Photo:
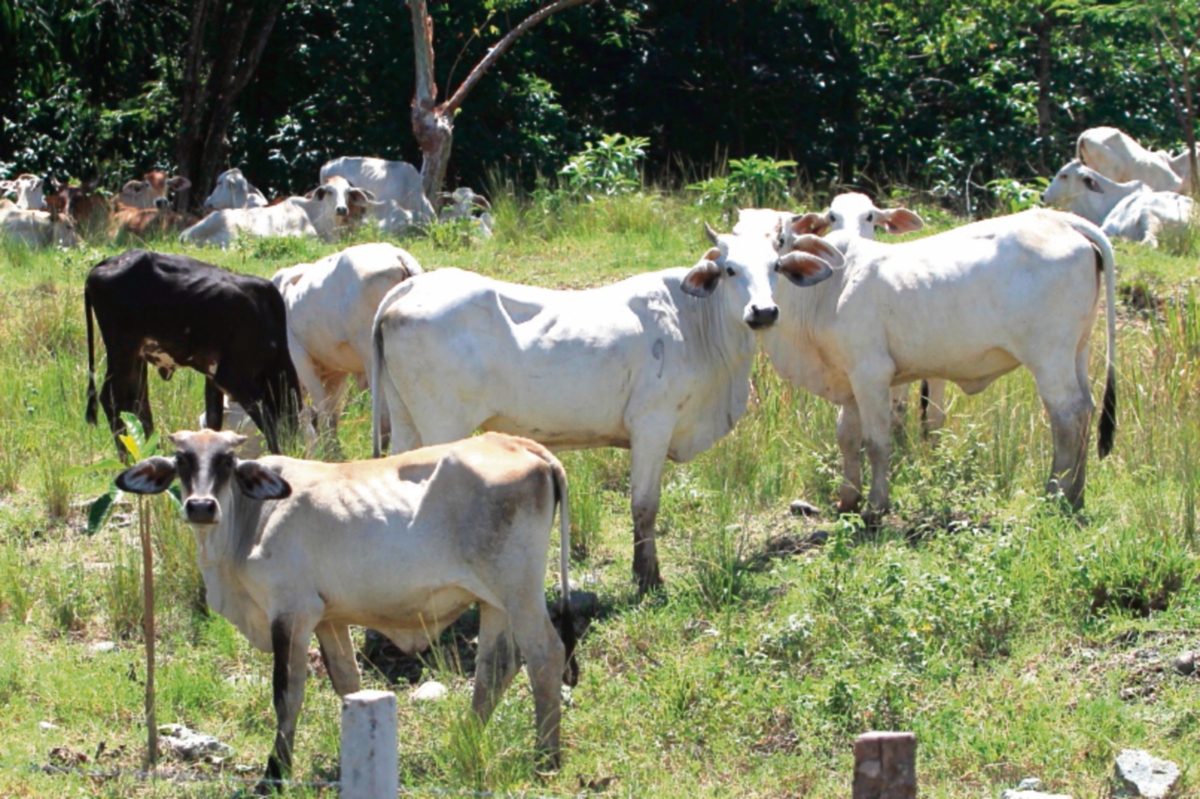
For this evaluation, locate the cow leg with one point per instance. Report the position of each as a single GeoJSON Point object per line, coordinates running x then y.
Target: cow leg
{"type": "Point", "coordinates": [544, 659]}
{"type": "Point", "coordinates": [214, 405]}
{"type": "Point", "coordinates": [849, 439]}
{"type": "Point", "coordinates": [335, 392]}
{"type": "Point", "coordinates": [290, 635]}
{"type": "Point", "coordinates": [933, 408]}
{"type": "Point", "coordinates": [497, 662]}
{"type": "Point", "coordinates": [402, 434]}
{"type": "Point", "coordinates": [649, 443]}
{"type": "Point", "coordinates": [118, 392]}
{"type": "Point", "coordinates": [309, 376]}
{"type": "Point", "coordinates": [337, 650]}
{"type": "Point", "coordinates": [870, 386]}
{"type": "Point", "coordinates": [1070, 411]}
{"type": "Point", "coordinates": [141, 402]}
{"type": "Point", "coordinates": [899, 398]}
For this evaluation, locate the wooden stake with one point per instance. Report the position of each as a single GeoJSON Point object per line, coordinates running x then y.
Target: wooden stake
{"type": "Point", "coordinates": [148, 628]}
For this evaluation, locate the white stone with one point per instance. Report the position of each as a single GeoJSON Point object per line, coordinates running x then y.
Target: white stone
{"type": "Point", "coordinates": [102, 647]}
{"type": "Point", "coordinates": [1029, 784]}
{"type": "Point", "coordinates": [1019, 794]}
{"type": "Point", "coordinates": [188, 744]}
{"type": "Point", "coordinates": [370, 762]}
{"type": "Point", "coordinates": [46, 726]}
{"type": "Point", "coordinates": [429, 692]}
{"type": "Point", "coordinates": [1140, 774]}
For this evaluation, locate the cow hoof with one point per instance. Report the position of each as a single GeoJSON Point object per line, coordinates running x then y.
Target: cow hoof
{"type": "Point", "coordinates": [648, 583]}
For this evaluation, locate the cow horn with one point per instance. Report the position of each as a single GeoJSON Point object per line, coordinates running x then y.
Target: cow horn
{"type": "Point", "coordinates": [712, 234]}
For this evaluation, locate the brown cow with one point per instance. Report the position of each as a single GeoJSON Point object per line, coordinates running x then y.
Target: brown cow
{"type": "Point", "coordinates": [141, 223]}
{"type": "Point", "coordinates": [82, 203]}
{"type": "Point", "coordinates": [151, 190]}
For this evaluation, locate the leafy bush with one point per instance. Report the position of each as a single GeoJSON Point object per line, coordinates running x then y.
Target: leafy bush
{"type": "Point", "coordinates": [1014, 196]}
{"type": "Point", "coordinates": [756, 182]}
{"type": "Point", "coordinates": [608, 167]}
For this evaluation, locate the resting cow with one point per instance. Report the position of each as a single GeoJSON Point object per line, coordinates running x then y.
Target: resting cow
{"type": "Point", "coordinates": [151, 191]}
{"type": "Point", "coordinates": [659, 363]}
{"type": "Point", "coordinates": [234, 191]}
{"type": "Point", "coordinates": [37, 228]}
{"type": "Point", "coordinates": [967, 306]}
{"type": "Point", "coordinates": [28, 189]}
{"type": "Point", "coordinates": [1119, 157]}
{"type": "Point", "coordinates": [330, 307]}
{"type": "Point", "coordinates": [1129, 210]}
{"type": "Point", "coordinates": [387, 180]}
{"type": "Point", "coordinates": [171, 311]}
{"type": "Point", "coordinates": [404, 544]}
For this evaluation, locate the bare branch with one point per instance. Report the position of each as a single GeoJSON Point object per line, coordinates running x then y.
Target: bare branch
{"type": "Point", "coordinates": [425, 94]}
{"type": "Point", "coordinates": [499, 49]}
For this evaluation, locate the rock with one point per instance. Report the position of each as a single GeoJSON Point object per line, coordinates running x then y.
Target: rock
{"type": "Point", "coordinates": [102, 647]}
{"type": "Point", "coordinates": [802, 508]}
{"type": "Point", "coordinates": [47, 726]}
{"type": "Point", "coordinates": [429, 692]}
{"type": "Point", "coordinates": [1138, 774]}
{"type": "Point", "coordinates": [1029, 784]}
{"type": "Point", "coordinates": [186, 744]}
{"type": "Point", "coordinates": [1185, 664]}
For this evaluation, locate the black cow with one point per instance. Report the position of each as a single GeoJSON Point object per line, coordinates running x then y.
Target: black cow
{"type": "Point", "coordinates": [171, 311]}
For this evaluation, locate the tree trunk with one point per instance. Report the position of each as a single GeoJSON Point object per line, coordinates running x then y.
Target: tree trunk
{"type": "Point", "coordinates": [433, 123]}
{"type": "Point", "coordinates": [202, 147]}
{"type": "Point", "coordinates": [1043, 30]}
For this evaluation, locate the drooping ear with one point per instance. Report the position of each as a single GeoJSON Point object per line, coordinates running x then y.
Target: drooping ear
{"type": "Point", "coordinates": [151, 476]}
{"type": "Point", "coordinates": [820, 248]}
{"type": "Point", "coordinates": [319, 193]}
{"type": "Point", "coordinates": [702, 279]}
{"type": "Point", "coordinates": [899, 221]}
{"type": "Point", "coordinates": [481, 201]}
{"type": "Point", "coordinates": [810, 224]}
{"type": "Point", "coordinates": [712, 234]}
{"type": "Point", "coordinates": [360, 197]}
{"type": "Point", "coordinates": [803, 269]}
{"type": "Point", "coordinates": [1091, 184]}
{"type": "Point", "coordinates": [258, 482]}
{"type": "Point", "coordinates": [179, 183]}
{"type": "Point", "coordinates": [55, 203]}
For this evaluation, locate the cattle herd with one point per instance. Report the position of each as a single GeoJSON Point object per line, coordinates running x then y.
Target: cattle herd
{"type": "Point", "coordinates": [658, 363]}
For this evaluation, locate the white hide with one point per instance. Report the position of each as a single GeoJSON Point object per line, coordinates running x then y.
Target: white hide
{"type": "Point", "coordinates": [28, 190]}
{"type": "Point", "coordinates": [1119, 157]}
{"type": "Point", "coordinates": [36, 228]}
{"type": "Point", "coordinates": [234, 191]}
{"type": "Point", "coordinates": [221, 228]}
{"type": "Point", "coordinates": [387, 180]}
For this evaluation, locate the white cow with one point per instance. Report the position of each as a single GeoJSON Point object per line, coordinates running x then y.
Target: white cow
{"type": "Point", "coordinates": [1119, 157]}
{"type": "Point", "coordinates": [389, 217]}
{"type": "Point", "coordinates": [37, 228]}
{"type": "Point", "coordinates": [1182, 165]}
{"type": "Point", "coordinates": [653, 363]}
{"type": "Point", "coordinates": [463, 203]}
{"type": "Point", "coordinates": [853, 215]}
{"type": "Point", "coordinates": [28, 189]}
{"type": "Point", "coordinates": [333, 206]}
{"type": "Point", "coordinates": [405, 545]}
{"type": "Point", "coordinates": [387, 180]}
{"type": "Point", "coordinates": [967, 306]}
{"type": "Point", "coordinates": [330, 307]}
{"type": "Point", "coordinates": [234, 191]}
{"type": "Point", "coordinates": [1129, 210]}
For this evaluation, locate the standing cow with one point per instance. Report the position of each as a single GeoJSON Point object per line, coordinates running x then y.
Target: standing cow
{"type": "Point", "coordinates": [658, 364]}
{"type": "Point", "coordinates": [170, 311]}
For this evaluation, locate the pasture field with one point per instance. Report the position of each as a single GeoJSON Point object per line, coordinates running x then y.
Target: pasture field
{"type": "Point", "coordinates": [1012, 638]}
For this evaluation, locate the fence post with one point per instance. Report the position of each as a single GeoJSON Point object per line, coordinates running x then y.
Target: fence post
{"type": "Point", "coordinates": [370, 763]}
{"type": "Point", "coordinates": [885, 766]}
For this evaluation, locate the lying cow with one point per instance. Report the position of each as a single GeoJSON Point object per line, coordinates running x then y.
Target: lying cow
{"type": "Point", "coordinates": [234, 191]}
{"type": "Point", "coordinates": [464, 203]}
{"type": "Point", "coordinates": [405, 544]}
{"type": "Point", "coordinates": [83, 203]}
{"type": "Point", "coordinates": [28, 191]}
{"type": "Point", "coordinates": [36, 228]}
{"type": "Point", "coordinates": [659, 363]}
{"type": "Point", "coordinates": [333, 207]}
{"type": "Point", "coordinates": [330, 307]}
{"type": "Point", "coordinates": [1129, 210]}
{"type": "Point", "coordinates": [140, 224]}
{"type": "Point", "coordinates": [967, 306]}
{"type": "Point", "coordinates": [151, 191]}
{"type": "Point", "coordinates": [387, 180]}
{"type": "Point", "coordinates": [1119, 157]}
{"type": "Point", "coordinates": [170, 311]}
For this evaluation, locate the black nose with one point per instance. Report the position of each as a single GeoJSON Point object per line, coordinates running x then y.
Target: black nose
{"type": "Point", "coordinates": [160, 203]}
{"type": "Point", "coordinates": [763, 317]}
{"type": "Point", "coordinates": [200, 511]}
{"type": "Point", "coordinates": [342, 210]}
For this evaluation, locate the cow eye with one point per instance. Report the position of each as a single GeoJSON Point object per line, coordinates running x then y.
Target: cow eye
{"type": "Point", "coordinates": [729, 271]}
{"type": "Point", "coordinates": [832, 217]}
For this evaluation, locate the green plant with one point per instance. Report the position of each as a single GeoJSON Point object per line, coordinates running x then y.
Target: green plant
{"type": "Point", "coordinates": [753, 181]}
{"type": "Point", "coordinates": [608, 167]}
{"type": "Point", "coordinates": [1014, 196]}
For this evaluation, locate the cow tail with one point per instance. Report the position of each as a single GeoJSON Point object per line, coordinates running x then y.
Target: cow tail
{"type": "Point", "coordinates": [566, 620]}
{"type": "Point", "coordinates": [924, 401]}
{"type": "Point", "coordinates": [92, 399]}
{"type": "Point", "coordinates": [377, 404]}
{"type": "Point", "coordinates": [1107, 261]}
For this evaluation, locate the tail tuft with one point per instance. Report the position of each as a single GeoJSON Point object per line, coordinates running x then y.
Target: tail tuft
{"type": "Point", "coordinates": [566, 631]}
{"type": "Point", "coordinates": [1108, 415]}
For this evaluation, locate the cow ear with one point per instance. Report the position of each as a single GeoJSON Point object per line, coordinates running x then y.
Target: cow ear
{"type": "Point", "coordinates": [318, 193]}
{"type": "Point", "coordinates": [151, 476]}
{"type": "Point", "coordinates": [363, 195]}
{"type": "Point", "coordinates": [1091, 184]}
{"type": "Point", "coordinates": [899, 221]}
{"type": "Point", "coordinates": [258, 482]}
{"type": "Point", "coordinates": [803, 269]}
{"type": "Point", "coordinates": [54, 185]}
{"type": "Point", "coordinates": [819, 247]}
{"type": "Point", "coordinates": [179, 183]}
{"type": "Point", "coordinates": [810, 224]}
{"type": "Point", "coordinates": [702, 279]}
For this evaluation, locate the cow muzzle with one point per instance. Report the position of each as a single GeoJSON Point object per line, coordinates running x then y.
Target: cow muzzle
{"type": "Point", "coordinates": [758, 318]}
{"type": "Point", "coordinates": [160, 203]}
{"type": "Point", "coordinates": [342, 210]}
{"type": "Point", "coordinates": [201, 510]}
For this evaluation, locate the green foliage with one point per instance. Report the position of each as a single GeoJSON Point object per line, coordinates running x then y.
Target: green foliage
{"type": "Point", "coordinates": [1014, 196]}
{"type": "Point", "coordinates": [608, 167]}
{"type": "Point", "coordinates": [751, 182]}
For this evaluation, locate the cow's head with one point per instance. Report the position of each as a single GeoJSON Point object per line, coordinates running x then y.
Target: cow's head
{"type": "Point", "coordinates": [233, 191]}
{"type": "Point", "coordinates": [151, 190]}
{"type": "Point", "coordinates": [749, 267]}
{"type": "Point", "coordinates": [208, 469]}
{"type": "Point", "coordinates": [28, 191]}
{"type": "Point", "coordinates": [342, 199]}
{"type": "Point", "coordinates": [1079, 189]}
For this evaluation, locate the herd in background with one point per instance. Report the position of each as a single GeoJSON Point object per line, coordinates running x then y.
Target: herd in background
{"type": "Point", "coordinates": [658, 363]}
{"type": "Point", "coordinates": [385, 196]}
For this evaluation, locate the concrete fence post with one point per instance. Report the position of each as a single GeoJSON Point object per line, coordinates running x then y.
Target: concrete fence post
{"type": "Point", "coordinates": [885, 766]}
{"type": "Point", "coordinates": [370, 763]}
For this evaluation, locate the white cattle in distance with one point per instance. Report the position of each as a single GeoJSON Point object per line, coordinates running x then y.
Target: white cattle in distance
{"type": "Point", "coordinates": [288, 548]}
{"type": "Point", "coordinates": [1130, 210]}
{"type": "Point", "coordinates": [28, 191]}
{"type": "Point", "coordinates": [658, 363]}
{"type": "Point", "coordinates": [234, 191]}
{"type": "Point", "coordinates": [1181, 165]}
{"type": "Point", "coordinates": [387, 180]}
{"type": "Point", "coordinates": [331, 305]}
{"type": "Point", "coordinates": [1118, 156]}
{"type": "Point", "coordinates": [967, 306]}
{"type": "Point", "coordinates": [463, 203]}
{"type": "Point", "coordinates": [333, 207]}
{"type": "Point", "coordinates": [36, 228]}
{"type": "Point", "coordinates": [849, 216]}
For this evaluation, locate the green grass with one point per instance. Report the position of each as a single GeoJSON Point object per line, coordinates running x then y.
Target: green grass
{"type": "Point", "coordinates": [1001, 631]}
